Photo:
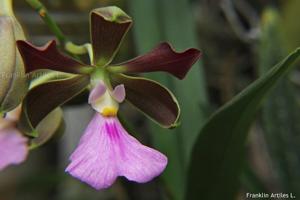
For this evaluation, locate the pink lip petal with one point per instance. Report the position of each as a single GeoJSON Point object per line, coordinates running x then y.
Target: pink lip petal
{"type": "Point", "coordinates": [107, 151]}
{"type": "Point", "coordinates": [91, 162]}
{"type": "Point", "coordinates": [138, 162]}
{"type": "Point", "coordinates": [13, 147]}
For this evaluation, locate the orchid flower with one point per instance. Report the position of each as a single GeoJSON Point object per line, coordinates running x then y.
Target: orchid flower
{"type": "Point", "coordinates": [106, 150]}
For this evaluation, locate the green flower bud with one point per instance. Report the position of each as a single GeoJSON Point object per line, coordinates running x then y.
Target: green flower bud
{"type": "Point", "coordinates": [12, 74]}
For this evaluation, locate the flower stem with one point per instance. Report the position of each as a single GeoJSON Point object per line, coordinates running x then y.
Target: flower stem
{"type": "Point", "coordinates": [41, 9]}
{"type": "Point", "coordinates": [63, 40]}
{"type": "Point", "coordinates": [80, 49]}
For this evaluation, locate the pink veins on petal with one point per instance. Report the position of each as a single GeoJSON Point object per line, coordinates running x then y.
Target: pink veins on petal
{"type": "Point", "coordinates": [13, 147]}
{"type": "Point", "coordinates": [107, 151]}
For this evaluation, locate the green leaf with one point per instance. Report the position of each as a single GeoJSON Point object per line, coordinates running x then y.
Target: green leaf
{"type": "Point", "coordinates": [219, 149]}
{"type": "Point", "coordinates": [44, 98]}
{"type": "Point", "coordinates": [12, 78]}
{"type": "Point", "coordinates": [52, 124]}
{"type": "Point", "coordinates": [251, 181]}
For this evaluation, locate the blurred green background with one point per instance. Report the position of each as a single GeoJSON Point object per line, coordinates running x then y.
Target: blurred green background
{"type": "Point", "coordinates": [240, 41]}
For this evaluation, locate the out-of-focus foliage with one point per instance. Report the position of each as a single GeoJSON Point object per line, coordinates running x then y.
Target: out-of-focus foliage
{"type": "Point", "coordinates": [219, 152]}
{"type": "Point", "coordinates": [157, 21]}
{"type": "Point", "coordinates": [281, 111]}
{"type": "Point", "coordinates": [288, 26]}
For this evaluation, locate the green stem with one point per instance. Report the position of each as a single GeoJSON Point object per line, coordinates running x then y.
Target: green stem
{"type": "Point", "coordinates": [116, 69]}
{"type": "Point", "coordinates": [63, 40]}
{"type": "Point", "coordinates": [101, 73]}
{"type": "Point", "coordinates": [41, 9]}
{"type": "Point", "coordinates": [80, 49]}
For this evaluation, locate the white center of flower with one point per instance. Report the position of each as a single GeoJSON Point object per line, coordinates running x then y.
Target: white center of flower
{"type": "Point", "coordinates": [106, 100]}
{"type": "Point", "coordinates": [106, 105]}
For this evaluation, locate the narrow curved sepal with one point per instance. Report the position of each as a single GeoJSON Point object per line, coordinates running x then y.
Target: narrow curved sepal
{"type": "Point", "coordinates": [53, 124]}
{"type": "Point", "coordinates": [41, 76]}
{"type": "Point", "coordinates": [109, 26]}
{"type": "Point", "coordinates": [48, 57]}
{"type": "Point", "coordinates": [150, 97]}
{"type": "Point", "coordinates": [162, 58]}
{"type": "Point", "coordinates": [44, 98]}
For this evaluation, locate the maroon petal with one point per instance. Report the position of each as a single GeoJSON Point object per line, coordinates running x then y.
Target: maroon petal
{"type": "Point", "coordinates": [109, 25]}
{"type": "Point", "coordinates": [150, 97]}
{"type": "Point", "coordinates": [48, 57]}
{"type": "Point", "coordinates": [162, 58]}
{"type": "Point", "coordinates": [44, 98]}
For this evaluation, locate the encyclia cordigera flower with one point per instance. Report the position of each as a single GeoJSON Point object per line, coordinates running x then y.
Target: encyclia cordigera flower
{"type": "Point", "coordinates": [106, 150]}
